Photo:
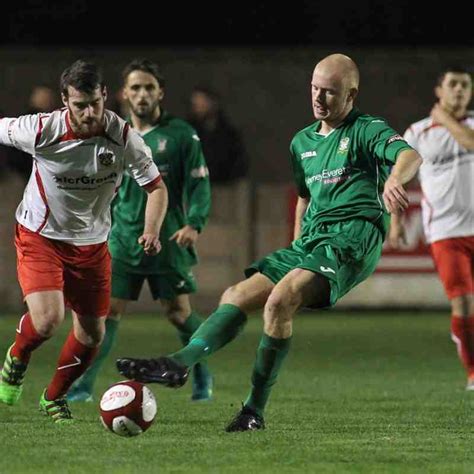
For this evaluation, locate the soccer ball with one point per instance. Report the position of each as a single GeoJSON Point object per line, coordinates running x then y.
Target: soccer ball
{"type": "Point", "coordinates": [127, 408]}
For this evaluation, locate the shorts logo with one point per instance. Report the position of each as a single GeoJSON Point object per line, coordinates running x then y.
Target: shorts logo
{"type": "Point", "coordinates": [162, 145]}
{"type": "Point", "coordinates": [327, 269]}
{"type": "Point", "coordinates": [106, 158]}
{"type": "Point", "coordinates": [180, 284]}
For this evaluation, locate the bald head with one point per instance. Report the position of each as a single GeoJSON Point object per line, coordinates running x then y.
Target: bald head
{"type": "Point", "coordinates": [339, 67]}
{"type": "Point", "coordinates": [334, 87]}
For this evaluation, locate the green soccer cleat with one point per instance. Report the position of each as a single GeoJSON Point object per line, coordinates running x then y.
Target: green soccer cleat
{"type": "Point", "coordinates": [202, 383]}
{"type": "Point", "coordinates": [11, 384]}
{"type": "Point", "coordinates": [57, 409]}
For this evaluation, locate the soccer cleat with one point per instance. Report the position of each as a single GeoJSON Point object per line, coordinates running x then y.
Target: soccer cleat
{"type": "Point", "coordinates": [57, 409]}
{"type": "Point", "coordinates": [78, 393]}
{"type": "Point", "coordinates": [202, 384]}
{"type": "Point", "coordinates": [11, 384]}
{"type": "Point", "coordinates": [164, 370]}
{"type": "Point", "coordinates": [246, 420]}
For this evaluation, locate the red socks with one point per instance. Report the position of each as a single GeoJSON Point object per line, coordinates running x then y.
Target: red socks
{"type": "Point", "coordinates": [462, 333]}
{"type": "Point", "coordinates": [74, 359]}
{"type": "Point", "coordinates": [27, 339]}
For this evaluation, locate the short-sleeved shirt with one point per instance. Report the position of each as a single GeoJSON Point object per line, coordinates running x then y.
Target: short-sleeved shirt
{"type": "Point", "coordinates": [343, 173]}
{"type": "Point", "coordinates": [447, 180]}
{"type": "Point", "coordinates": [74, 180]}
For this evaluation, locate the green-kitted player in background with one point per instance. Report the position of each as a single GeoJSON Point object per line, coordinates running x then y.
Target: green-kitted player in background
{"type": "Point", "coordinates": [341, 166]}
{"type": "Point", "coordinates": [177, 152]}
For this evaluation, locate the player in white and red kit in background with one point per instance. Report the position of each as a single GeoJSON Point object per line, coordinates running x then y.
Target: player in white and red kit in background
{"type": "Point", "coordinates": [79, 156]}
{"type": "Point", "coordinates": [445, 140]}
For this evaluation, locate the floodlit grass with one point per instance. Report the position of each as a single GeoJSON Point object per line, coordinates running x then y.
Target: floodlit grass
{"type": "Point", "coordinates": [359, 393]}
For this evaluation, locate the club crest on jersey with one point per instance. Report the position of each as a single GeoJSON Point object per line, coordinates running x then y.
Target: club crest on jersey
{"type": "Point", "coordinates": [343, 145]}
{"type": "Point", "coordinates": [106, 158]}
{"type": "Point", "coordinates": [161, 145]}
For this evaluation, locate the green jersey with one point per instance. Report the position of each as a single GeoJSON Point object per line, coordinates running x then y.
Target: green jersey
{"type": "Point", "coordinates": [178, 154]}
{"type": "Point", "coordinates": [343, 172]}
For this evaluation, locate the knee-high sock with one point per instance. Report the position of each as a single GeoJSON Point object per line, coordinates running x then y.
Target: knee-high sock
{"type": "Point", "coordinates": [74, 359]}
{"type": "Point", "coordinates": [189, 327]}
{"type": "Point", "coordinates": [27, 339]}
{"type": "Point", "coordinates": [88, 378]}
{"type": "Point", "coordinates": [462, 333]}
{"type": "Point", "coordinates": [215, 332]}
{"type": "Point", "coordinates": [271, 353]}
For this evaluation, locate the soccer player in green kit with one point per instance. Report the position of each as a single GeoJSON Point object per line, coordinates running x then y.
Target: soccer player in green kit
{"type": "Point", "coordinates": [341, 166]}
{"type": "Point", "coordinates": [177, 152]}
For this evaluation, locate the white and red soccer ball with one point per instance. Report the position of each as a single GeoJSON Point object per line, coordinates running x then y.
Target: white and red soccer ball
{"type": "Point", "coordinates": [127, 408]}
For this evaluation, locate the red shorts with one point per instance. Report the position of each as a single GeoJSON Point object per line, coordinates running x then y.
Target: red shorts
{"type": "Point", "coordinates": [82, 273]}
{"type": "Point", "coordinates": [454, 260]}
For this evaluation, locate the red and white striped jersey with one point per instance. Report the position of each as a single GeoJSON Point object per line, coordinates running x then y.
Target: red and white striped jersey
{"type": "Point", "coordinates": [447, 180]}
{"type": "Point", "coordinates": [74, 180]}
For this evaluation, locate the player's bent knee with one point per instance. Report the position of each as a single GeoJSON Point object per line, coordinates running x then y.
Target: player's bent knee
{"type": "Point", "coordinates": [46, 323]}
{"type": "Point", "coordinates": [177, 317]}
{"type": "Point", "coordinates": [233, 295]}
{"type": "Point", "coordinates": [280, 304]}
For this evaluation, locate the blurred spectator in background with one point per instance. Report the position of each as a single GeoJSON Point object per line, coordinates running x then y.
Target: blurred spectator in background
{"type": "Point", "coordinates": [221, 141]}
{"type": "Point", "coordinates": [42, 99]}
{"type": "Point", "coordinates": [445, 140]}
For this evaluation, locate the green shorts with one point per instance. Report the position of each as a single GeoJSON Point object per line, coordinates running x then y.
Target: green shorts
{"type": "Point", "coordinates": [346, 253]}
{"type": "Point", "coordinates": [127, 282]}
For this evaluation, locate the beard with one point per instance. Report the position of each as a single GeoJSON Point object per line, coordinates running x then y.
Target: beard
{"type": "Point", "coordinates": [89, 128]}
{"type": "Point", "coordinates": [145, 111]}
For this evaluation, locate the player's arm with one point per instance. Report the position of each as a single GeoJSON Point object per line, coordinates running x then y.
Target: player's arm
{"type": "Point", "coordinates": [394, 195]}
{"type": "Point", "coordinates": [461, 133]}
{"type": "Point", "coordinates": [196, 189]}
{"type": "Point", "coordinates": [300, 210]}
{"type": "Point", "coordinates": [155, 211]}
{"type": "Point", "coordinates": [140, 166]}
{"type": "Point", "coordinates": [21, 132]}
{"type": "Point", "coordinates": [397, 232]}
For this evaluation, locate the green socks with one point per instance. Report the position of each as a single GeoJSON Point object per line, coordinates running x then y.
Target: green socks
{"type": "Point", "coordinates": [215, 332]}
{"type": "Point", "coordinates": [271, 353]}
{"type": "Point", "coordinates": [87, 380]}
{"type": "Point", "coordinates": [189, 327]}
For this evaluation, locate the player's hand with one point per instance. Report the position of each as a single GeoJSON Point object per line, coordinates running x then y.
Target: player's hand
{"type": "Point", "coordinates": [394, 195]}
{"type": "Point", "coordinates": [397, 235]}
{"type": "Point", "coordinates": [150, 243]}
{"type": "Point", "coordinates": [186, 236]}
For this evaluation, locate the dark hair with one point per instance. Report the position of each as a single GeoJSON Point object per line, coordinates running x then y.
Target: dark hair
{"type": "Point", "coordinates": [451, 68]}
{"type": "Point", "coordinates": [144, 65]}
{"type": "Point", "coordinates": [83, 76]}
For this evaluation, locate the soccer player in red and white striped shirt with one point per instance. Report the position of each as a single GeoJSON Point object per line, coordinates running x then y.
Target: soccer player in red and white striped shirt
{"type": "Point", "coordinates": [79, 156]}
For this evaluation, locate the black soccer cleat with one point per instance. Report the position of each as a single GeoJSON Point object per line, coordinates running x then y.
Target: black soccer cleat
{"type": "Point", "coordinates": [163, 370]}
{"type": "Point", "coordinates": [246, 420]}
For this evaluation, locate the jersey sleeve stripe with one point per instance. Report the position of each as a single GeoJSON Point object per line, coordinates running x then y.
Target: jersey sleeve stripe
{"type": "Point", "coordinates": [40, 130]}
{"type": "Point", "coordinates": [39, 183]}
{"type": "Point", "coordinates": [151, 186]}
{"type": "Point", "coordinates": [125, 133]}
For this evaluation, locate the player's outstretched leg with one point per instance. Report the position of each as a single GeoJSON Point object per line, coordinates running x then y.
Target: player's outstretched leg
{"type": "Point", "coordinates": [163, 370]}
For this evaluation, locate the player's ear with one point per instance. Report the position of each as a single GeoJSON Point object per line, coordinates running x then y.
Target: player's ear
{"type": "Point", "coordinates": [64, 98]}
{"type": "Point", "coordinates": [437, 91]}
{"type": "Point", "coordinates": [104, 93]}
{"type": "Point", "coordinates": [162, 94]}
{"type": "Point", "coordinates": [353, 92]}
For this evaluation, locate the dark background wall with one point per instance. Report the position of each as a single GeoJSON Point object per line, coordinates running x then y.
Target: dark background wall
{"type": "Point", "coordinates": [265, 90]}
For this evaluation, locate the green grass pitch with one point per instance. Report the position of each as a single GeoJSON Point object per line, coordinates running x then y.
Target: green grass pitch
{"type": "Point", "coordinates": [359, 393]}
